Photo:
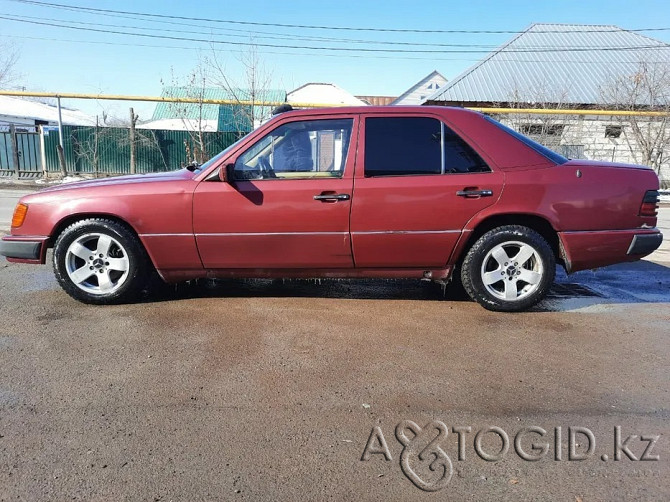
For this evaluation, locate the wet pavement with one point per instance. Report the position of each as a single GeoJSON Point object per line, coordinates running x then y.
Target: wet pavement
{"type": "Point", "coordinates": [270, 390]}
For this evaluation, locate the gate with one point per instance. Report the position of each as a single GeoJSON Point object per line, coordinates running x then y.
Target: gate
{"type": "Point", "coordinates": [20, 153]}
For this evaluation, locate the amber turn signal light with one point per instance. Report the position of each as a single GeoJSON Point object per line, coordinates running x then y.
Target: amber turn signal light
{"type": "Point", "coordinates": [19, 215]}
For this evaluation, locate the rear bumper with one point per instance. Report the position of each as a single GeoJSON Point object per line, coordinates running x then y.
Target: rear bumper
{"type": "Point", "coordinates": [644, 244]}
{"type": "Point", "coordinates": [23, 249]}
{"type": "Point", "coordinates": [584, 250]}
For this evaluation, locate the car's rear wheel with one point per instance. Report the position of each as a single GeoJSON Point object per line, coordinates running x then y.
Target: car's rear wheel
{"type": "Point", "coordinates": [100, 261]}
{"type": "Point", "coordinates": [508, 269]}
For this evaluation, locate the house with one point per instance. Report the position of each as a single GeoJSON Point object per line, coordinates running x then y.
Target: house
{"type": "Point", "coordinates": [322, 94]}
{"type": "Point", "coordinates": [231, 117]}
{"type": "Point", "coordinates": [425, 87]}
{"type": "Point", "coordinates": [377, 100]}
{"type": "Point", "coordinates": [24, 112]}
{"type": "Point", "coordinates": [24, 124]}
{"type": "Point", "coordinates": [571, 67]}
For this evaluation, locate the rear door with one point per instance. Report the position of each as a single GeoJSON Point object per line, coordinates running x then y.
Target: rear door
{"type": "Point", "coordinates": [417, 184]}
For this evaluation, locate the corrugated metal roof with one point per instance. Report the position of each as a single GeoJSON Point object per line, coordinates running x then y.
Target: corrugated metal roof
{"type": "Point", "coordinates": [555, 63]}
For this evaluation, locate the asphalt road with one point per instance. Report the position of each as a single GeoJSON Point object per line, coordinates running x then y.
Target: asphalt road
{"type": "Point", "coordinates": [262, 390]}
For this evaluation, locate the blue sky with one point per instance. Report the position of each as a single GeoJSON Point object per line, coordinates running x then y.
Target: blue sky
{"type": "Point", "coordinates": [59, 59]}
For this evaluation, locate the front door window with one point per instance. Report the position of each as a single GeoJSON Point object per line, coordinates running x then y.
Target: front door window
{"type": "Point", "coordinates": [305, 149]}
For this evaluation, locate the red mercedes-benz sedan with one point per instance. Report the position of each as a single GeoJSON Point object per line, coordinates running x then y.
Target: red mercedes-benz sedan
{"type": "Point", "coordinates": [427, 192]}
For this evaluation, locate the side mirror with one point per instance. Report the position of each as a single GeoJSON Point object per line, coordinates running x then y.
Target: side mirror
{"type": "Point", "coordinates": [227, 173]}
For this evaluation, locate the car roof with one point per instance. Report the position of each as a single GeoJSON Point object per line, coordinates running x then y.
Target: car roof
{"type": "Point", "coordinates": [390, 110]}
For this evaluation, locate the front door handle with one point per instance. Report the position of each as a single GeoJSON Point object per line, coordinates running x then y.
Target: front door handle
{"type": "Point", "coordinates": [332, 197]}
{"type": "Point", "coordinates": [474, 193]}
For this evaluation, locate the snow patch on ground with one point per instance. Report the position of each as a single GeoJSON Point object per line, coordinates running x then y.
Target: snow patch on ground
{"type": "Point", "coordinates": [66, 179]}
{"type": "Point", "coordinates": [664, 195]}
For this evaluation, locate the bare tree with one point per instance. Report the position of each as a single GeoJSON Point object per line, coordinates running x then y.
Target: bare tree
{"type": "Point", "coordinates": [250, 91]}
{"type": "Point", "coordinates": [8, 59]}
{"type": "Point", "coordinates": [647, 89]}
{"type": "Point", "coordinates": [93, 144]}
{"type": "Point", "coordinates": [191, 114]}
{"type": "Point", "coordinates": [87, 146]}
{"type": "Point", "coordinates": [546, 129]}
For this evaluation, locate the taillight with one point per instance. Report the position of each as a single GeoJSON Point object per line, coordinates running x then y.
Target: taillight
{"type": "Point", "coordinates": [19, 215]}
{"type": "Point", "coordinates": [649, 205]}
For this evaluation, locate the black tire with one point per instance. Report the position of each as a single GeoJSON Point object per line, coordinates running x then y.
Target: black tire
{"type": "Point", "coordinates": [480, 265]}
{"type": "Point", "coordinates": [125, 253]}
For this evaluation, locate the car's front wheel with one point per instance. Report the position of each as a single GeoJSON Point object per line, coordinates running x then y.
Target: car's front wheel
{"type": "Point", "coordinates": [508, 269]}
{"type": "Point", "coordinates": [100, 261]}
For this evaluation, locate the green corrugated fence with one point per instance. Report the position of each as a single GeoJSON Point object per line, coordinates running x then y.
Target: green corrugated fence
{"type": "Point", "coordinates": [106, 150]}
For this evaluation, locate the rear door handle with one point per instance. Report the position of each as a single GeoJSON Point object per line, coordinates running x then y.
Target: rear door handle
{"type": "Point", "coordinates": [332, 197]}
{"type": "Point", "coordinates": [474, 193]}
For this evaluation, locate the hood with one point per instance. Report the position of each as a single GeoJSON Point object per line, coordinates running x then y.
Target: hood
{"type": "Point", "coordinates": [181, 174]}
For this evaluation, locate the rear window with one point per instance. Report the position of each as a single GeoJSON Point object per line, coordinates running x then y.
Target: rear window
{"type": "Point", "coordinates": [541, 149]}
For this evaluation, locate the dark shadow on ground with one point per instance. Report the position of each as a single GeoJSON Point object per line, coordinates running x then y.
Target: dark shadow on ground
{"type": "Point", "coordinates": [636, 282]}
{"type": "Point", "coordinates": [356, 289]}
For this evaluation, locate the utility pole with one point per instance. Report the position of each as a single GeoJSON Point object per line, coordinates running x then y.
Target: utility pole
{"type": "Point", "coordinates": [133, 151]}
{"type": "Point", "coordinates": [15, 149]}
{"type": "Point", "coordinates": [61, 152]}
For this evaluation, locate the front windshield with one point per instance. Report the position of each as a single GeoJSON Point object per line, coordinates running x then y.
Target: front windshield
{"type": "Point", "coordinates": [215, 159]}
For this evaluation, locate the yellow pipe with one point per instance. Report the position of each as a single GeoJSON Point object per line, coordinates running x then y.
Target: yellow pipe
{"type": "Point", "coordinates": [118, 97]}
{"type": "Point", "coordinates": [551, 111]}
{"type": "Point", "coordinates": [165, 99]}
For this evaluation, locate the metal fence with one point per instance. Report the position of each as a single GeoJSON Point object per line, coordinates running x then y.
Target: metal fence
{"type": "Point", "coordinates": [106, 150]}
{"type": "Point", "coordinates": [20, 152]}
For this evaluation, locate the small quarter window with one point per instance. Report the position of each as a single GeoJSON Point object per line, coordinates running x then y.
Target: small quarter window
{"type": "Point", "coordinates": [459, 157]}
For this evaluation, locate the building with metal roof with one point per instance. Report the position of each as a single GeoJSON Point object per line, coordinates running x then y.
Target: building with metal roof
{"type": "Point", "coordinates": [550, 66]}
{"type": "Point", "coordinates": [554, 63]}
{"type": "Point", "coordinates": [222, 118]}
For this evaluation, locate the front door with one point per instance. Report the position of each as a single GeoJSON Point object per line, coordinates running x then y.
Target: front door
{"type": "Point", "coordinates": [417, 185]}
{"type": "Point", "coordinates": [289, 204]}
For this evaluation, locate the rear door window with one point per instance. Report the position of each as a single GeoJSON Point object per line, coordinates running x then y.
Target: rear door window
{"type": "Point", "coordinates": [405, 146]}
{"type": "Point", "coordinates": [397, 146]}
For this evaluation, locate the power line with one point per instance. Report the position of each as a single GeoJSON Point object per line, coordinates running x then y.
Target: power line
{"type": "Point", "coordinates": [315, 27]}
{"type": "Point", "coordinates": [340, 49]}
{"type": "Point", "coordinates": [99, 42]}
{"type": "Point", "coordinates": [427, 58]}
{"type": "Point", "coordinates": [280, 36]}
{"type": "Point", "coordinates": [272, 36]}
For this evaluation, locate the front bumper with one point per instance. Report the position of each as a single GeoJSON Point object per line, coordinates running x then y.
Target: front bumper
{"type": "Point", "coordinates": [23, 249]}
{"type": "Point", "coordinates": [593, 249]}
